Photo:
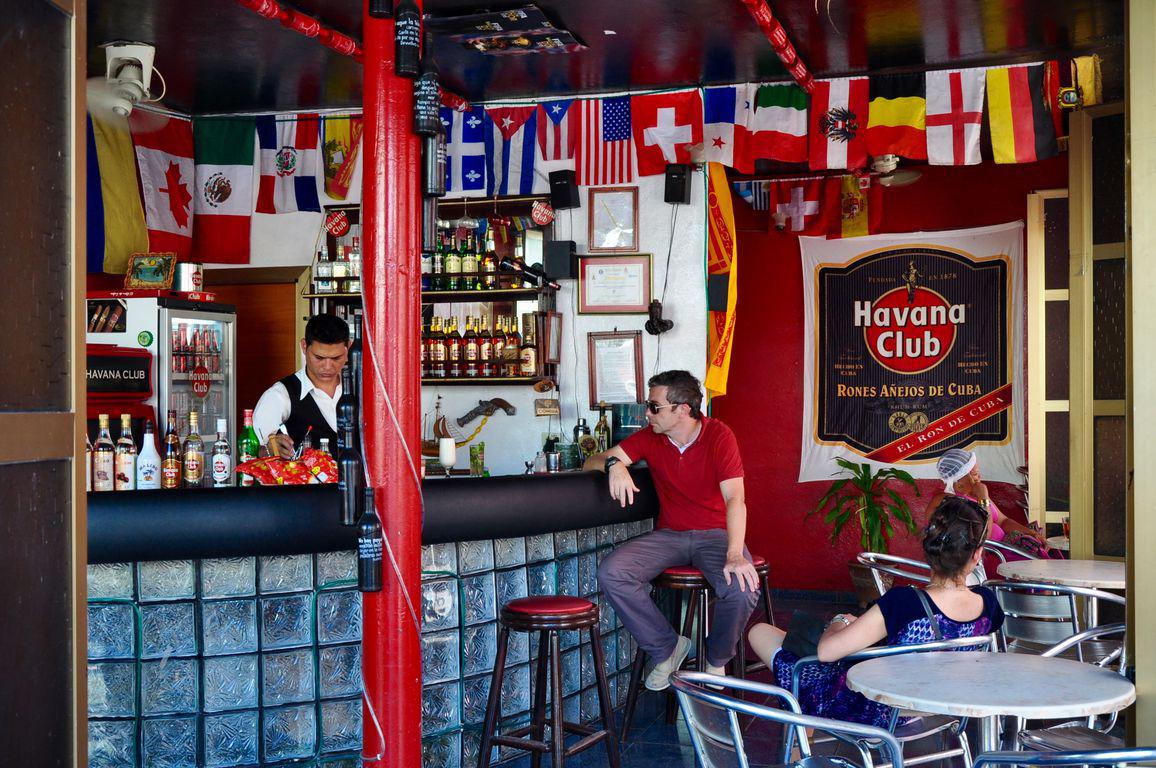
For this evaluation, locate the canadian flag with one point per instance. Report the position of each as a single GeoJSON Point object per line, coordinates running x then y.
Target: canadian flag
{"type": "Point", "coordinates": [665, 126]}
{"type": "Point", "coordinates": [798, 206]}
{"type": "Point", "coordinates": [164, 156]}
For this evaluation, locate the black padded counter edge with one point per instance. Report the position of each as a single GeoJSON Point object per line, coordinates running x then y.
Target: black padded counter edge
{"type": "Point", "coordinates": [235, 522]}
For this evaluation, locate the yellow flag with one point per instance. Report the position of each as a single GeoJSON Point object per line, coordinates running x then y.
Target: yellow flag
{"type": "Point", "coordinates": [124, 222]}
{"type": "Point", "coordinates": [722, 259]}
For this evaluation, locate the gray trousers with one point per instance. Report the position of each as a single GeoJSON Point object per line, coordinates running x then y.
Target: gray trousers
{"type": "Point", "coordinates": [625, 577]}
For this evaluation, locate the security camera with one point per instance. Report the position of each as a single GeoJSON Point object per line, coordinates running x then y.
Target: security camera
{"type": "Point", "coordinates": [129, 70]}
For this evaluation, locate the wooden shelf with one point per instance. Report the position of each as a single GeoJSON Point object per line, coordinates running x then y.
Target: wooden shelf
{"type": "Point", "coordinates": [485, 381]}
{"type": "Point", "coordinates": [454, 297]}
{"type": "Point", "coordinates": [331, 296]}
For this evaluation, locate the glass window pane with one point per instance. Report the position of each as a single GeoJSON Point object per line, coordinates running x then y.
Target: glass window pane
{"type": "Point", "coordinates": [1108, 179]}
{"type": "Point", "coordinates": [1108, 330]}
{"type": "Point", "coordinates": [1110, 481]}
{"type": "Point", "coordinates": [1056, 243]}
{"type": "Point", "coordinates": [34, 209]}
{"type": "Point", "coordinates": [1056, 350]}
{"type": "Point", "coordinates": [1057, 489]}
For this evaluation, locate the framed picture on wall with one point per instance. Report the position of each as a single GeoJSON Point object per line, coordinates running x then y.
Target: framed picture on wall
{"type": "Point", "coordinates": [613, 220]}
{"type": "Point", "coordinates": [614, 285]}
{"type": "Point", "coordinates": [615, 363]}
{"type": "Point", "coordinates": [150, 270]}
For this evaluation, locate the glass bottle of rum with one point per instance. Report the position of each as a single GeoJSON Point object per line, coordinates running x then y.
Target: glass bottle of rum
{"type": "Point", "coordinates": [222, 457]}
{"type": "Point", "coordinates": [125, 479]}
{"type": "Point", "coordinates": [103, 458]}
{"type": "Point", "coordinates": [470, 349]}
{"type": "Point", "coordinates": [194, 454]}
{"type": "Point", "coordinates": [171, 461]}
{"type": "Point", "coordinates": [454, 351]}
{"type": "Point", "coordinates": [485, 349]}
{"type": "Point", "coordinates": [469, 266]}
{"type": "Point", "coordinates": [453, 266]}
{"type": "Point", "coordinates": [437, 349]}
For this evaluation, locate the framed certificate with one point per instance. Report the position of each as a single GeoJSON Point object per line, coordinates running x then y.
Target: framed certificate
{"type": "Point", "coordinates": [613, 220]}
{"type": "Point", "coordinates": [614, 285]}
{"type": "Point", "coordinates": [615, 362]}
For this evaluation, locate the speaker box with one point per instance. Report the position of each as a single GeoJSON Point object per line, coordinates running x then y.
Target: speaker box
{"type": "Point", "coordinates": [564, 190]}
{"type": "Point", "coordinates": [677, 184]}
{"type": "Point", "coordinates": [561, 259]}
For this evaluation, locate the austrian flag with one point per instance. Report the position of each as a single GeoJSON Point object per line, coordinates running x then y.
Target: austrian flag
{"type": "Point", "coordinates": [164, 158]}
{"type": "Point", "coordinates": [839, 123]}
{"type": "Point", "coordinates": [289, 163]}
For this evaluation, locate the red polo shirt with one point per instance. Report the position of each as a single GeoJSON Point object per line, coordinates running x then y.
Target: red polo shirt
{"type": "Point", "coordinates": [688, 482]}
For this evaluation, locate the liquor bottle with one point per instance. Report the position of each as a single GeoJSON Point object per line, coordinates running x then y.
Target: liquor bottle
{"type": "Point", "coordinates": [529, 350]}
{"type": "Point", "coordinates": [347, 409]}
{"type": "Point", "coordinates": [369, 547]}
{"type": "Point", "coordinates": [438, 268]}
{"type": "Point", "coordinates": [340, 264]}
{"type": "Point", "coordinates": [194, 454]}
{"type": "Point", "coordinates": [485, 349]}
{"type": "Point", "coordinates": [423, 346]}
{"type": "Point", "coordinates": [355, 258]}
{"type": "Point", "coordinates": [248, 447]}
{"type": "Point", "coordinates": [356, 354]}
{"type": "Point", "coordinates": [453, 351]}
{"type": "Point", "coordinates": [453, 266]}
{"type": "Point", "coordinates": [499, 342]}
{"type": "Point", "coordinates": [171, 461]}
{"type": "Point", "coordinates": [437, 350]}
{"type": "Point", "coordinates": [470, 349]}
{"type": "Point", "coordinates": [222, 465]}
{"type": "Point", "coordinates": [489, 268]}
{"type": "Point", "coordinates": [513, 349]}
{"type": "Point", "coordinates": [125, 479]}
{"type": "Point", "coordinates": [323, 269]}
{"type": "Point", "coordinates": [602, 429]}
{"type": "Point", "coordinates": [469, 265]}
{"type": "Point", "coordinates": [103, 458]}
{"type": "Point", "coordinates": [87, 462]}
{"type": "Point", "coordinates": [350, 479]}
{"type": "Point", "coordinates": [148, 462]}
{"type": "Point", "coordinates": [427, 270]}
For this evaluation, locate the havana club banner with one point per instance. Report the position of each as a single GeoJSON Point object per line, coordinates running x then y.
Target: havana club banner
{"type": "Point", "coordinates": [914, 345]}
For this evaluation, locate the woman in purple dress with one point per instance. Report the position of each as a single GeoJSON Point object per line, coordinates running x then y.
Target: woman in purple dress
{"type": "Point", "coordinates": [953, 543]}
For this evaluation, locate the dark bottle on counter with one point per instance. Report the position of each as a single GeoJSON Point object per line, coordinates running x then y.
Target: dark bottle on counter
{"type": "Point", "coordinates": [453, 266]}
{"type": "Point", "coordinates": [369, 547]}
{"type": "Point", "coordinates": [356, 355]}
{"type": "Point", "coordinates": [350, 479]}
{"type": "Point", "coordinates": [347, 411]}
{"type": "Point", "coordinates": [437, 270]}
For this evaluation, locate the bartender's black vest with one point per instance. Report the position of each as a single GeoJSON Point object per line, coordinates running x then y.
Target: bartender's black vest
{"type": "Point", "coordinates": [304, 413]}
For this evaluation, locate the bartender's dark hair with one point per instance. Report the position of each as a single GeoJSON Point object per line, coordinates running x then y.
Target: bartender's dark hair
{"type": "Point", "coordinates": [681, 387]}
{"type": "Point", "coordinates": [326, 329]}
{"type": "Point", "coordinates": [953, 534]}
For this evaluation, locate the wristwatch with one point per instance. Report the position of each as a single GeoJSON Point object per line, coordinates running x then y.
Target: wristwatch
{"type": "Point", "coordinates": [610, 462]}
{"type": "Point", "coordinates": [841, 619]}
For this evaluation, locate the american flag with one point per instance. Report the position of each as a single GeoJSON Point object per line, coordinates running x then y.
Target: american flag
{"type": "Point", "coordinates": [605, 153]}
{"type": "Point", "coordinates": [556, 130]}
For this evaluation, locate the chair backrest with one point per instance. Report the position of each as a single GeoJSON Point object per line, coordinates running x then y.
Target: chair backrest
{"type": "Point", "coordinates": [904, 568]}
{"type": "Point", "coordinates": [1118, 656]}
{"type": "Point", "coordinates": [1001, 551]}
{"type": "Point", "coordinates": [1130, 756]}
{"type": "Point", "coordinates": [1043, 614]}
{"type": "Point", "coordinates": [712, 719]}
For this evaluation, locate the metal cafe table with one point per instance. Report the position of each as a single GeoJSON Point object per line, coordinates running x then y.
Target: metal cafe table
{"type": "Point", "coordinates": [1099, 574]}
{"type": "Point", "coordinates": [986, 685]}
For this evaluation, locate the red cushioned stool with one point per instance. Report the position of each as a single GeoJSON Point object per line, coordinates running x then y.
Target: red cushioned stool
{"type": "Point", "coordinates": [688, 579]}
{"type": "Point", "coordinates": [548, 615]}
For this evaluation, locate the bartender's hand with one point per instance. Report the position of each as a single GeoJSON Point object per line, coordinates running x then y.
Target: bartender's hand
{"type": "Point", "coordinates": [284, 443]}
{"type": "Point", "coordinates": [622, 487]}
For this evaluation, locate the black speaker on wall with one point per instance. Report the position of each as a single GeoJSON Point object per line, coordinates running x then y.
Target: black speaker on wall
{"type": "Point", "coordinates": [564, 190]}
{"type": "Point", "coordinates": [561, 259]}
{"type": "Point", "coordinates": [677, 183]}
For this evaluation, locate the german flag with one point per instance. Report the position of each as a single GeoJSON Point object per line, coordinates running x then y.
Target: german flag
{"type": "Point", "coordinates": [1021, 127]}
{"type": "Point", "coordinates": [897, 118]}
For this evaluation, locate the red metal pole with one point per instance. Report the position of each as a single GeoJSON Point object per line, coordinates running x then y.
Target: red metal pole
{"type": "Point", "coordinates": [391, 239]}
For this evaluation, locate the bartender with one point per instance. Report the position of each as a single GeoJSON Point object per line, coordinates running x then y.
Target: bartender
{"type": "Point", "coordinates": [307, 398]}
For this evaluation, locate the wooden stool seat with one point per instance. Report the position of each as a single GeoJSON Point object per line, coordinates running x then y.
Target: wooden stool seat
{"type": "Point", "coordinates": [548, 615]}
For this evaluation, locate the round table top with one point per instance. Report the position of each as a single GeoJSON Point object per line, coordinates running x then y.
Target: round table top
{"type": "Point", "coordinates": [984, 684]}
{"type": "Point", "coordinates": [1058, 542]}
{"type": "Point", "coordinates": [1102, 574]}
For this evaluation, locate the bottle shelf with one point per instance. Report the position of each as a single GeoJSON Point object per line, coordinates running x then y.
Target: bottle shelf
{"type": "Point", "coordinates": [487, 381]}
{"type": "Point", "coordinates": [453, 297]}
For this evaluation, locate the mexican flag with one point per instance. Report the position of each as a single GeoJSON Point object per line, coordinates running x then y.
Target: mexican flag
{"type": "Point", "coordinates": [223, 192]}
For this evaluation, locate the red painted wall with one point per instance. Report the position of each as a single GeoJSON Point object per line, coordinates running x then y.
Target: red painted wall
{"type": "Point", "coordinates": [764, 405]}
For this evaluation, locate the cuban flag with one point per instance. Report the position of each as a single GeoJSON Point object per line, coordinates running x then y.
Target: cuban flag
{"type": "Point", "coordinates": [465, 152]}
{"type": "Point", "coordinates": [290, 160]}
{"type": "Point", "coordinates": [510, 136]}
{"type": "Point", "coordinates": [557, 131]}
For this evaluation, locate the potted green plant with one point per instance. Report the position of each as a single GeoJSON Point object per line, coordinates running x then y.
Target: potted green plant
{"type": "Point", "coordinates": [863, 494]}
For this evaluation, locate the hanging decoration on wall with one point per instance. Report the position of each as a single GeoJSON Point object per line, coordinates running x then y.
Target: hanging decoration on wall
{"type": "Point", "coordinates": [722, 264]}
{"type": "Point", "coordinates": [914, 345]}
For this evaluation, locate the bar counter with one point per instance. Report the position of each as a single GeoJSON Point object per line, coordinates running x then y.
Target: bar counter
{"type": "Point", "coordinates": [225, 626]}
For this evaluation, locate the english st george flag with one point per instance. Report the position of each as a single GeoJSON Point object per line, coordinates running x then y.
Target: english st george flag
{"type": "Point", "coordinates": [954, 116]}
{"type": "Point", "coordinates": [838, 121]}
{"type": "Point", "coordinates": [605, 151]}
{"type": "Point", "coordinates": [666, 125]}
{"type": "Point", "coordinates": [164, 158]}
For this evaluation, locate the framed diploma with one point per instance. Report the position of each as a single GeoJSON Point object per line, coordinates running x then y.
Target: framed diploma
{"type": "Point", "coordinates": [613, 220]}
{"type": "Point", "coordinates": [615, 367]}
{"type": "Point", "coordinates": [614, 285]}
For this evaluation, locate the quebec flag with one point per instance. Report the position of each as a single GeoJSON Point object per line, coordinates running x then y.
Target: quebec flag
{"type": "Point", "coordinates": [465, 152]}
{"type": "Point", "coordinates": [511, 146]}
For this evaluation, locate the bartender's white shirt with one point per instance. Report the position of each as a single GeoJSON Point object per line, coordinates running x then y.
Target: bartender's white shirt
{"type": "Point", "coordinates": [274, 406]}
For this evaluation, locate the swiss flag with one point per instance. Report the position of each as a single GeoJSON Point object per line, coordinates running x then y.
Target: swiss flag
{"type": "Point", "coordinates": [665, 126]}
{"type": "Point", "coordinates": [801, 206]}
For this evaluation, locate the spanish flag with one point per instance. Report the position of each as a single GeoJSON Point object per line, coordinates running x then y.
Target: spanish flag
{"type": "Point", "coordinates": [897, 116]}
{"type": "Point", "coordinates": [1021, 127]}
{"type": "Point", "coordinates": [859, 203]}
{"type": "Point", "coordinates": [722, 263]}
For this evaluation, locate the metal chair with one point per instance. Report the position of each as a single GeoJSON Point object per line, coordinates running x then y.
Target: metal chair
{"type": "Point", "coordinates": [913, 571]}
{"type": "Point", "coordinates": [1038, 615]}
{"type": "Point", "coordinates": [1119, 757]}
{"type": "Point", "coordinates": [1080, 734]}
{"type": "Point", "coordinates": [924, 726]}
{"type": "Point", "coordinates": [712, 719]}
{"type": "Point", "coordinates": [1001, 550]}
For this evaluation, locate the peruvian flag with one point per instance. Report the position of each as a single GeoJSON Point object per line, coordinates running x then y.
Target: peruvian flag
{"type": "Point", "coordinates": [665, 125]}
{"type": "Point", "coordinates": [838, 122]}
{"type": "Point", "coordinates": [954, 116]}
{"type": "Point", "coordinates": [290, 160]}
{"type": "Point", "coordinates": [797, 206]}
{"type": "Point", "coordinates": [509, 138]}
{"type": "Point", "coordinates": [164, 159]}
{"type": "Point", "coordinates": [557, 131]}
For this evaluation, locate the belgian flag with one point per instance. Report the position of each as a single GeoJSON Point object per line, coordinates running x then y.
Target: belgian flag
{"type": "Point", "coordinates": [1021, 127]}
{"type": "Point", "coordinates": [897, 117]}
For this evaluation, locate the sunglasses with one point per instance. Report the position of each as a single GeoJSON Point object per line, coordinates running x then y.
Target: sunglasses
{"type": "Point", "coordinates": [654, 407]}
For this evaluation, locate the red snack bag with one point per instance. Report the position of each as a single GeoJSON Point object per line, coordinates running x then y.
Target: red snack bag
{"type": "Point", "coordinates": [259, 470]}
{"type": "Point", "coordinates": [321, 465]}
{"type": "Point", "coordinates": [289, 472]}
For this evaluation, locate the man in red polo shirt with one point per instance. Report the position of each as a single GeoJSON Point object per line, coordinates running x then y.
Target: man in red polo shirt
{"type": "Point", "coordinates": [702, 521]}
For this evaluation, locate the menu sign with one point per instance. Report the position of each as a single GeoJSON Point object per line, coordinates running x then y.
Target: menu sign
{"type": "Point", "coordinates": [914, 347]}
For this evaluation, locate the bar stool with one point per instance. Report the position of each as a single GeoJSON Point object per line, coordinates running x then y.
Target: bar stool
{"type": "Point", "coordinates": [548, 615]}
{"type": "Point", "coordinates": [687, 578]}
